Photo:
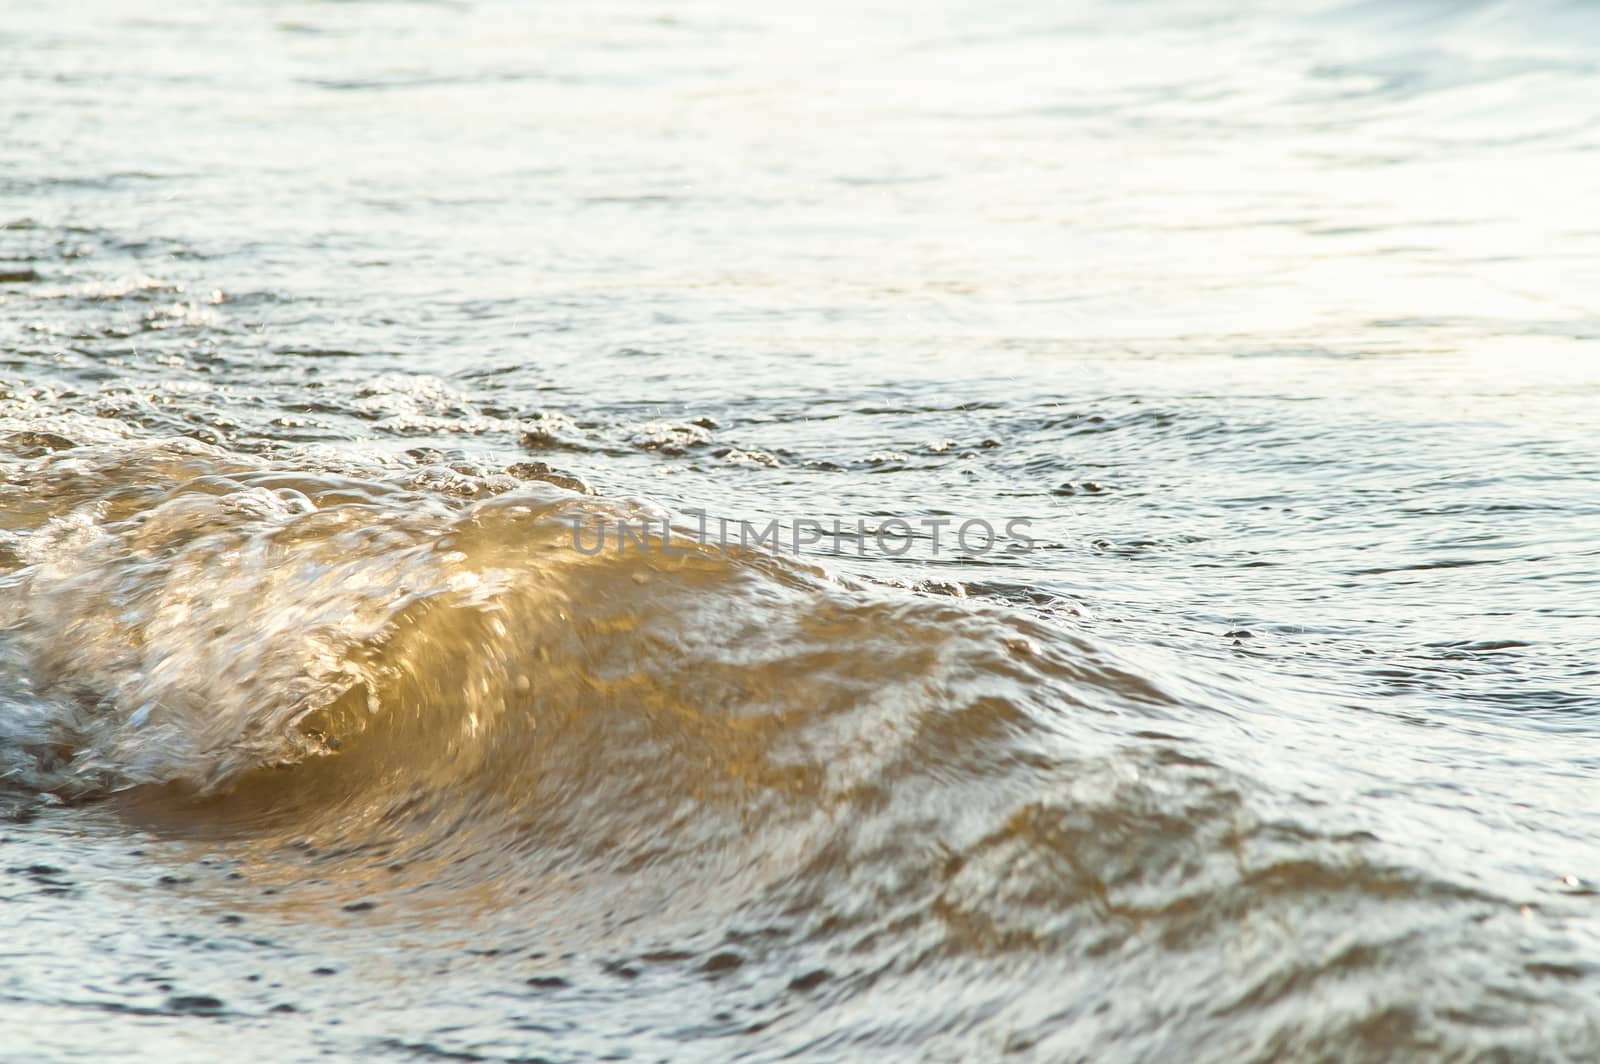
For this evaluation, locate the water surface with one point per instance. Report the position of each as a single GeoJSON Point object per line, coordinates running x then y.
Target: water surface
{"type": "Point", "coordinates": [323, 323]}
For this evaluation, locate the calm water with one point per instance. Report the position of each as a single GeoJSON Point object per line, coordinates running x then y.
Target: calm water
{"type": "Point", "coordinates": [323, 324]}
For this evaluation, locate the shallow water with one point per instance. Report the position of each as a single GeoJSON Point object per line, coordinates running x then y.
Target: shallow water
{"type": "Point", "coordinates": [325, 323]}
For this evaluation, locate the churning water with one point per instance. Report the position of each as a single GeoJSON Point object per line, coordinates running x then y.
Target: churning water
{"type": "Point", "coordinates": [327, 326]}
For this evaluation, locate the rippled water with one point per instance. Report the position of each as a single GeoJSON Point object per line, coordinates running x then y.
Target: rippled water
{"type": "Point", "coordinates": [322, 324]}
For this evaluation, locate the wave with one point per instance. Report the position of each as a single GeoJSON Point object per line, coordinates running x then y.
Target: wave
{"type": "Point", "coordinates": [885, 795]}
{"type": "Point", "coordinates": [178, 615]}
